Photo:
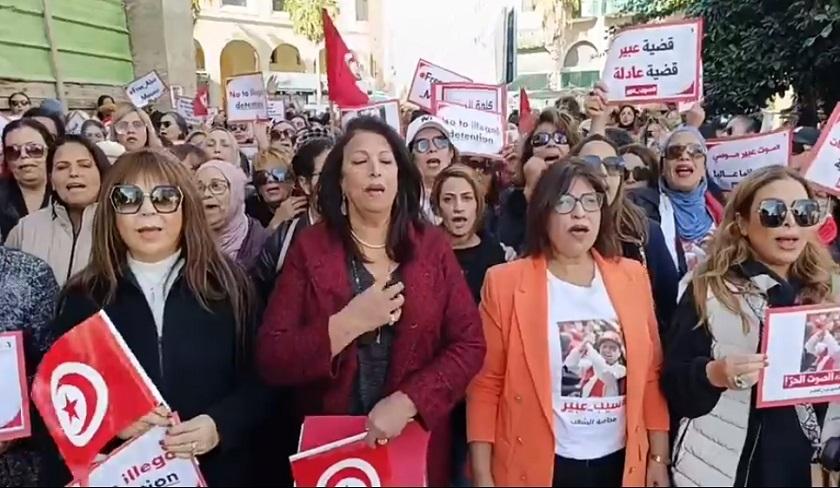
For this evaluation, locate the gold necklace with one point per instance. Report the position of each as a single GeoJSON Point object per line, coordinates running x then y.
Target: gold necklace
{"type": "Point", "coordinates": [366, 244]}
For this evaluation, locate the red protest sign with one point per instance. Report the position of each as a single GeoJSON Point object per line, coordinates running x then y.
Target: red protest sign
{"type": "Point", "coordinates": [425, 75]}
{"type": "Point", "coordinates": [824, 166]}
{"type": "Point", "coordinates": [348, 461]}
{"type": "Point", "coordinates": [14, 402]}
{"type": "Point", "coordinates": [88, 388]}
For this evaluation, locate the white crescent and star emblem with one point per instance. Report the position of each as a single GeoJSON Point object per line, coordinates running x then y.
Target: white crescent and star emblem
{"type": "Point", "coordinates": [80, 399]}
{"type": "Point", "coordinates": [353, 467]}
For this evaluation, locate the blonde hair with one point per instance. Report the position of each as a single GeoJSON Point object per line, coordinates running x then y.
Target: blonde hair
{"type": "Point", "coordinates": [233, 143]}
{"type": "Point", "coordinates": [123, 109]}
{"type": "Point", "coordinates": [466, 173]}
{"type": "Point", "coordinates": [729, 249]}
{"type": "Point", "coordinates": [274, 157]}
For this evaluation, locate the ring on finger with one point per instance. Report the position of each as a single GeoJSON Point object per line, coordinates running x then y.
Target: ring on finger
{"type": "Point", "coordinates": [382, 442]}
{"type": "Point", "coordinates": [739, 382]}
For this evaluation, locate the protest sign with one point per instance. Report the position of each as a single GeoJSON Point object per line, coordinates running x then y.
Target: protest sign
{"type": "Point", "coordinates": [88, 388]}
{"type": "Point", "coordinates": [14, 401]}
{"type": "Point", "coordinates": [808, 372]}
{"type": "Point", "coordinates": [655, 62]}
{"type": "Point", "coordinates": [474, 132]}
{"type": "Point", "coordinates": [731, 160]}
{"type": "Point", "coordinates": [824, 167]}
{"type": "Point", "coordinates": [388, 111]}
{"type": "Point", "coordinates": [333, 457]}
{"type": "Point", "coordinates": [146, 89]}
{"type": "Point", "coordinates": [143, 462]}
{"type": "Point", "coordinates": [3, 122]}
{"type": "Point", "coordinates": [74, 122]}
{"type": "Point", "coordinates": [185, 107]}
{"type": "Point", "coordinates": [246, 98]}
{"type": "Point", "coordinates": [276, 110]}
{"type": "Point", "coordinates": [489, 98]}
{"type": "Point", "coordinates": [425, 75]}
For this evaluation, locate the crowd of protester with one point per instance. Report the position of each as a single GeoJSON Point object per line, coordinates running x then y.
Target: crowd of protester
{"type": "Point", "coordinates": [575, 311]}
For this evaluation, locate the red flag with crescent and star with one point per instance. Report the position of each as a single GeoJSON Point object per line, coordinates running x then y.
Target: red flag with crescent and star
{"type": "Point", "coordinates": [343, 72]}
{"type": "Point", "coordinates": [88, 388]}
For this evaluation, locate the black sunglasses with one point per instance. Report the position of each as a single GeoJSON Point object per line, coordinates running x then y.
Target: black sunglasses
{"type": "Point", "coordinates": [276, 175]}
{"type": "Point", "coordinates": [278, 135]}
{"type": "Point", "coordinates": [128, 199]}
{"type": "Point", "coordinates": [165, 124]}
{"type": "Point", "coordinates": [480, 165]}
{"type": "Point", "coordinates": [543, 138]}
{"type": "Point", "coordinates": [772, 212]}
{"type": "Point", "coordinates": [13, 152]}
{"type": "Point", "coordinates": [422, 146]}
{"type": "Point", "coordinates": [614, 164]}
{"type": "Point", "coordinates": [676, 151]}
{"type": "Point", "coordinates": [639, 173]}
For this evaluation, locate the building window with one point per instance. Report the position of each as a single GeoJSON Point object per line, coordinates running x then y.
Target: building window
{"type": "Point", "coordinates": [279, 5]}
{"type": "Point", "coordinates": [528, 5]}
{"type": "Point", "coordinates": [235, 3]}
{"type": "Point", "coordinates": [579, 79]}
{"type": "Point", "coordinates": [362, 10]}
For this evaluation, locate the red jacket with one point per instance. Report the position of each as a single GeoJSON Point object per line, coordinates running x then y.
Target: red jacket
{"type": "Point", "coordinates": [439, 345]}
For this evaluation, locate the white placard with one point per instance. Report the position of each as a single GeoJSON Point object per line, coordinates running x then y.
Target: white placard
{"type": "Point", "coordinates": [143, 462]}
{"type": "Point", "coordinates": [146, 89]}
{"type": "Point", "coordinates": [184, 106]}
{"type": "Point", "coordinates": [489, 98]}
{"type": "Point", "coordinates": [74, 122]}
{"type": "Point", "coordinates": [427, 73]}
{"type": "Point", "coordinates": [474, 131]}
{"type": "Point", "coordinates": [246, 98]}
{"type": "Point", "coordinates": [14, 400]}
{"type": "Point", "coordinates": [731, 160]}
{"type": "Point", "coordinates": [824, 167]}
{"type": "Point", "coordinates": [276, 110]}
{"type": "Point", "coordinates": [802, 345]}
{"type": "Point", "coordinates": [388, 111]}
{"type": "Point", "coordinates": [4, 121]}
{"type": "Point", "coordinates": [655, 62]}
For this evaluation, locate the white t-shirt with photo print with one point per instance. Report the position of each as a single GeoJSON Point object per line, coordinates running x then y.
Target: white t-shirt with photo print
{"type": "Point", "coordinates": [588, 370]}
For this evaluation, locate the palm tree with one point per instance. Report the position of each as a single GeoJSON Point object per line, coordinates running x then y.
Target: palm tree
{"type": "Point", "coordinates": [556, 15]}
{"type": "Point", "coordinates": [306, 17]}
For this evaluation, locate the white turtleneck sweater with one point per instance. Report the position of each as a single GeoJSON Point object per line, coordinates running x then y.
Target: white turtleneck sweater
{"type": "Point", "coordinates": [156, 280]}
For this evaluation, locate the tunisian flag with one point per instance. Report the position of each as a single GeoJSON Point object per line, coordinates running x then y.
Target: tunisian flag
{"type": "Point", "coordinates": [88, 388]}
{"type": "Point", "coordinates": [200, 102]}
{"type": "Point", "coordinates": [526, 119]}
{"type": "Point", "coordinates": [332, 457]}
{"type": "Point", "coordinates": [342, 68]}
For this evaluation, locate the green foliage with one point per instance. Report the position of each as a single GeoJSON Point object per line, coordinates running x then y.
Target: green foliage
{"type": "Point", "coordinates": [306, 17]}
{"type": "Point", "coordinates": [754, 49]}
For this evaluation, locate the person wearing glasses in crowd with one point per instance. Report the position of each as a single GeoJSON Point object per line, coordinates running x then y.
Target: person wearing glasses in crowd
{"type": "Point", "coordinates": [569, 393]}
{"type": "Point", "coordinates": [282, 135]}
{"type": "Point", "coordinates": [431, 148]}
{"type": "Point", "coordinates": [273, 204]}
{"type": "Point", "coordinates": [306, 165]}
{"type": "Point", "coordinates": [94, 131]}
{"type": "Point", "coordinates": [185, 310]}
{"type": "Point", "coordinates": [19, 103]}
{"type": "Point", "coordinates": [764, 255]}
{"type": "Point", "coordinates": [133, 129]}
{"type": "Point", "coordinates": [382, 323]}
{"type": "Point", "coordinates": [642, 167]}
{"type": "Point", "coordinates": [552, 139]}
{"type": "Point", "coordinates": [222, 188]}
{"type": "Point", "coordinates": [640, 238]}
{"type": "Point", "coordinates": [173, 127]}
{"type": "Point", "coordinates": [26, 187]}
{"type": "Point", "coordinates": [60, 234]}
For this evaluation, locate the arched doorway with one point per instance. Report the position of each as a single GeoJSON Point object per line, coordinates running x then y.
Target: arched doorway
{"type": "Point", "coordinates": [581, 68]}
{"type": "Point", "coordinates": [199, 56]}
{"type": "Point", "coordinates": [286, 59]}
{"type": "Point", "coordinates": [238, 57]}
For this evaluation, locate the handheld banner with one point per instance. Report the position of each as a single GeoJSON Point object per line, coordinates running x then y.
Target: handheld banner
{"type": "Point", "coordinates": [146, 89]}
{"type": "Point", "coordinates": [731, 160]}
{"type": "Point", "coordinates": [425, 75]}
{"type": "Point", "coordinates": [246, 98]}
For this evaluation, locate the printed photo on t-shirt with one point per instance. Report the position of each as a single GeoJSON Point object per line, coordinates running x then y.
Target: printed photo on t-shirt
{"type": "Point", "coordinates": [594, 359]}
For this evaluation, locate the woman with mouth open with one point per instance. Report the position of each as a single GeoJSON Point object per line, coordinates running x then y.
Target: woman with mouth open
{"type": "Point", "coordinates": [431, 148]}
{"type": "Point", "coordinates": [222, 188]}
{"type": "Point", "coordinates": [26, 187]}
{"type": "Point", "coordinates": [133, 129]}
{"type": "Point", "coordinates": [371, 314]}
{"type": "Point", "coordinates": [764, 255]}
{"type": "Point", "coordinates": [526, 426]}
{"type": "Point", "coordinates": [185, 310]}
{"type": "Point", "coordinates": [61, 233]}
{"type": "Point", "coordinates": [273, 204]}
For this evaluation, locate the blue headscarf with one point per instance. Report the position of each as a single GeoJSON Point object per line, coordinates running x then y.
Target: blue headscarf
{"type": "Point", "coordinates": [692, 217]}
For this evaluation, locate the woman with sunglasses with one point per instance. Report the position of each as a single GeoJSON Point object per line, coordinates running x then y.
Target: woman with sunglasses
{"type": "Point", "coordinates": [132, 128]}
{"type": "Point", "coordinates": [764, 255]}
{"type": "Point", "coordinates": [222, 188]}
{"type": "Point", "coordinates": [273, 204]}
{"type": "Point", "coordinates": [640, 238]}
{"type": "Point", "coordinates": [60, 234]}
{"type": "Point", "coordinates": [173, 127]}
{"type": "Point", "coordinates": [94, 131]}
{"type": "Point", "coordinates": [184, 309]}
{"type": "Point", "coordinates": [551, 140]}
{"type": "Point", "coordinates": [642, 167]}
{"type": "Point", "coordinates": [282, 135]}
{"type": "Point", "coordinates": [19, 103]}
{"type": "Point", "coordinates": [382, 323]}
{"type": "Point", "coordinates": [26, 187]}
{"type": "Point", "coordinates": [569, 394]}
{"type": "Point", "coordinates": [431, 148]}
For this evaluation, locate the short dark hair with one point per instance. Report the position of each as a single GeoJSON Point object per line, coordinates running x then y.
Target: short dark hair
{"type": "Point", "coordinates": [32, 124]}
{"type": "Point", "coordinates": [405, 212]}
{"type": "Point", "coordinates": [99, 158]}
{"type": "Point", "coordinates": [303, 163]}
{"type": "Point", "coordinates": [102, 98]}
{"type": "Point", "coordinates": [18, 93]}
{"type": "Point", "coordinates": [649, 159]}
{"type": "Point", "coordinates": [562, 120]}
{"type": "Point", "coordinates": [593, 138]}
{"type": "Point", "coordinates": [42, 112]}
{"type": "Point", "coordinates": [554, 183]}
{"type": "Point", "coordinates": [180, 121]}
{"type": "Point", "coordinates": [619, 137]}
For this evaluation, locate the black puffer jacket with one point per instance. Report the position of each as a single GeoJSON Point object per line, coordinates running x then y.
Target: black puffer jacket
{"type": "Point", "coordinates": [266, 268]}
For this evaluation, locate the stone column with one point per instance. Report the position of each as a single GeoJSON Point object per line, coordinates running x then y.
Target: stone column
{"type": "Point", "coordinates": [162, 40]}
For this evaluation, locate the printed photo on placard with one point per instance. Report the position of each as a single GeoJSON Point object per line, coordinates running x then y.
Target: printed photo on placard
{"type": "Point", "coordinates": [14, 398]}
{"type": "Point", "coordinates": [821, 342]}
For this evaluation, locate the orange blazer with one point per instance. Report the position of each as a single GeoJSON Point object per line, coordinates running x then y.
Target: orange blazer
{"type": "Point", "coordinates": [509, 403]}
